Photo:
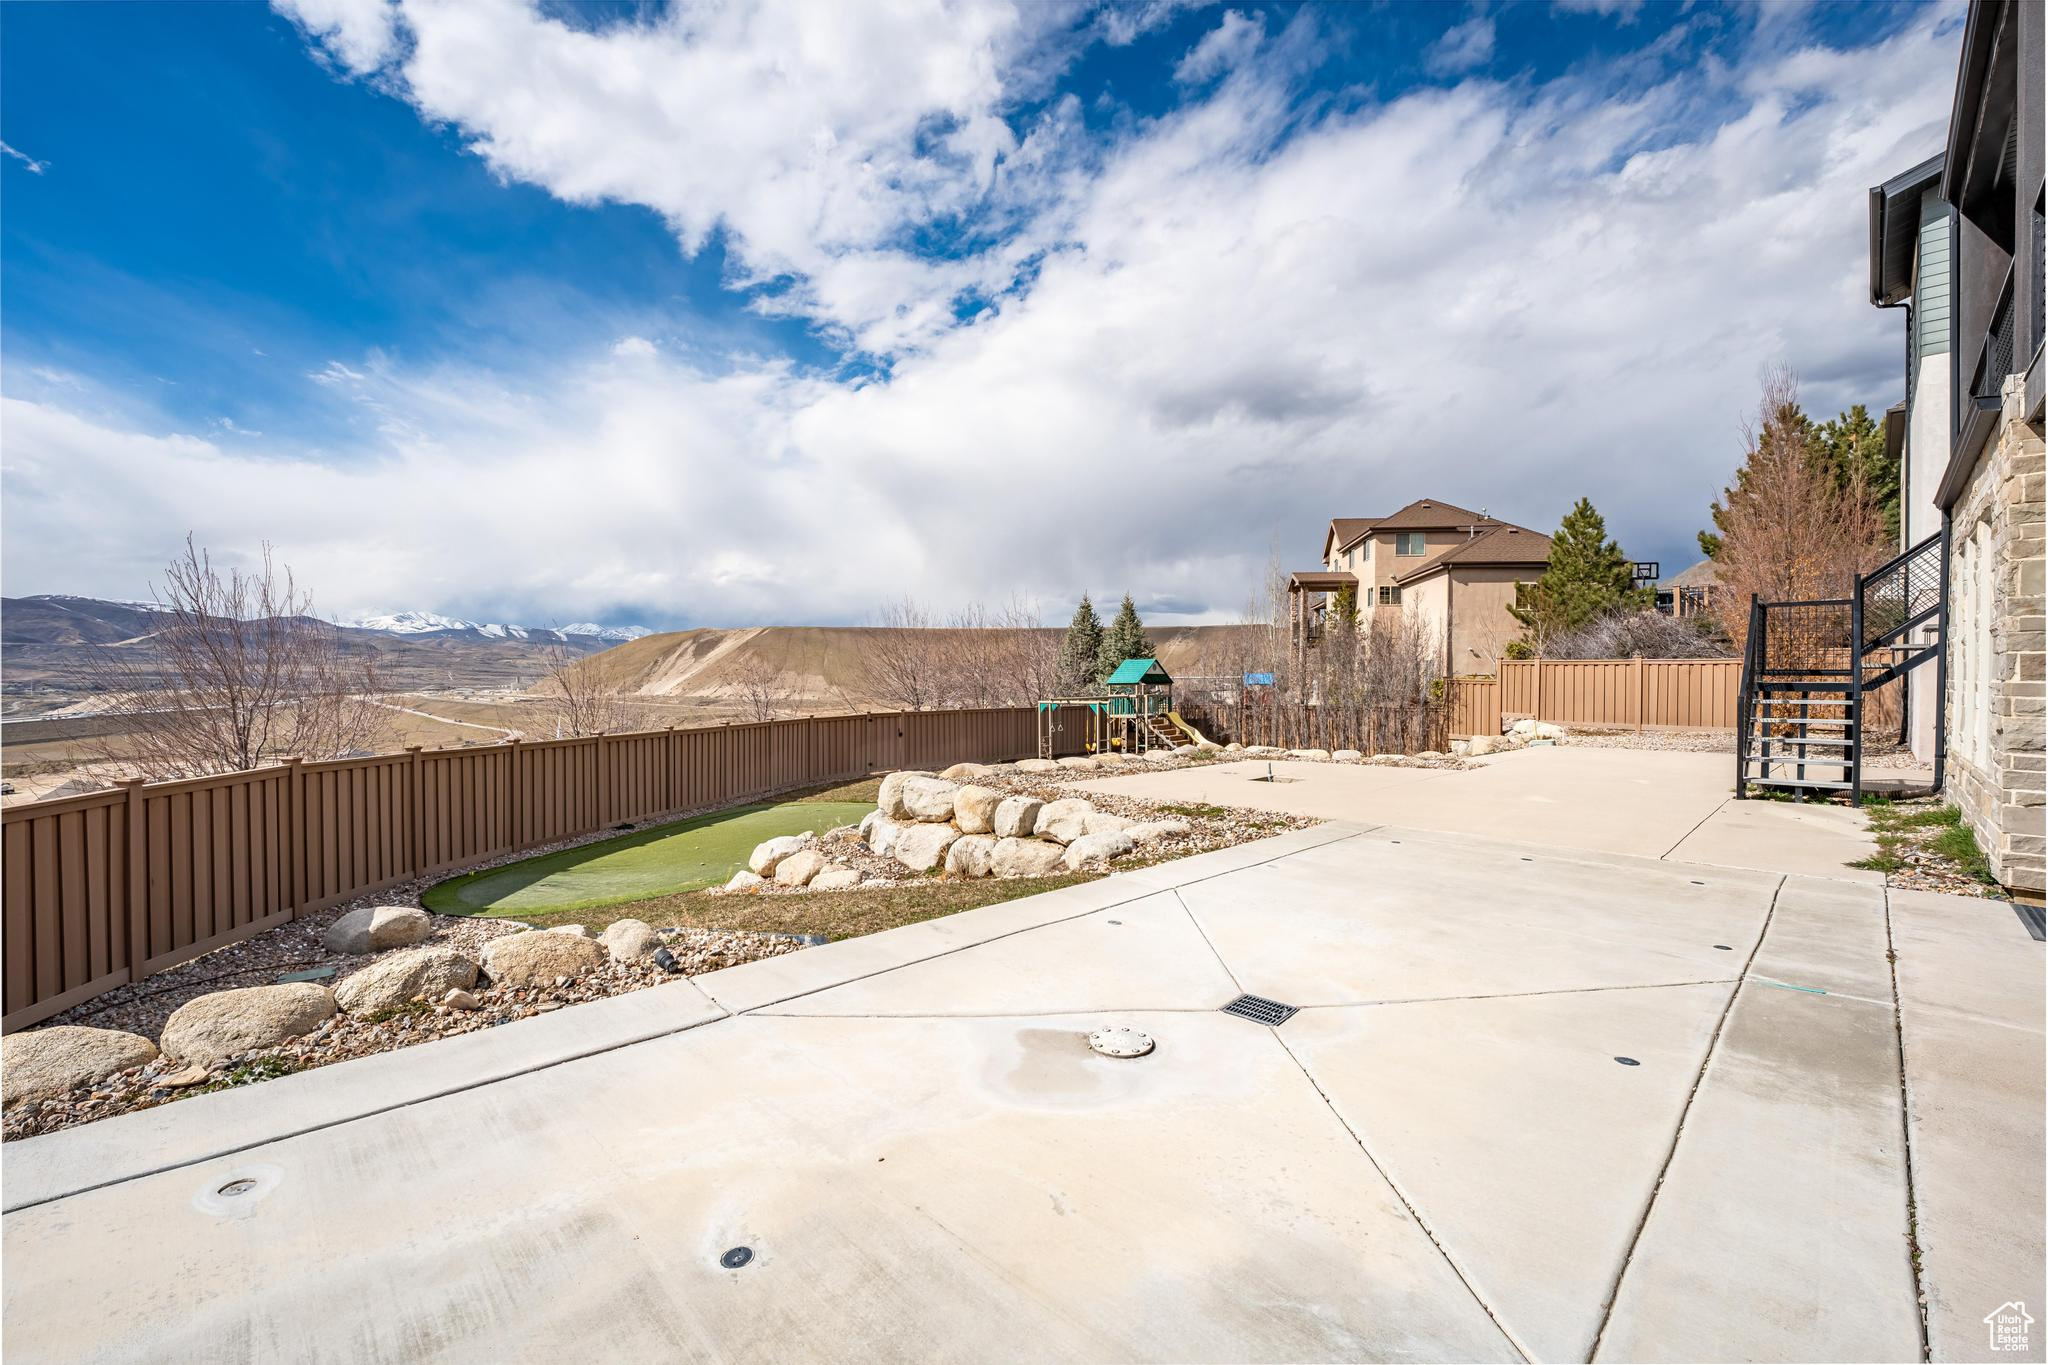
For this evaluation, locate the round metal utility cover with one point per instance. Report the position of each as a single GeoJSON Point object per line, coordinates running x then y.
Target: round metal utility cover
{"type": "Point", "coordinates": [1120, 1042]}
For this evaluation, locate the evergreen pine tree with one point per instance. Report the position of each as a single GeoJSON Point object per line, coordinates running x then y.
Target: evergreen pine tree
{"type": "Point", "coordinates": [1079, 651]}
{"type": "Point", "coordinates": [1125, 640]}
{"type": "Point", "coordinates": [1587, 576]}
{"type": "Point", "coordinates": [1344, 606]}
{"type": "Point", "coordinates": [1851, 449]}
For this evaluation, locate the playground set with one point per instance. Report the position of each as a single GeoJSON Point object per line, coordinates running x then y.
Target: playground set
{"type": "Point", "coordinates": [1133, 714]}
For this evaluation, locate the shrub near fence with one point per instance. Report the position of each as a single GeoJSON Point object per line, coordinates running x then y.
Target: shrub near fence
{"type": "Point", "coordinates": [107, 888]}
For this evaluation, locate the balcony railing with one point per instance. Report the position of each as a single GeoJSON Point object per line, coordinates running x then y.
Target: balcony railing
{"type": "Point", "coordinates": [1995, 356]}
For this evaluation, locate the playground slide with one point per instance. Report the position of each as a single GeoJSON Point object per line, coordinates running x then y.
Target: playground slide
{"type": "Point", "coordinates": [1194, 735]}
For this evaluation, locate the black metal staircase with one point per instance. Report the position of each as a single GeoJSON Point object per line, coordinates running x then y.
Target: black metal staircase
{"type": "Point", "coordinates": [1806, 667]}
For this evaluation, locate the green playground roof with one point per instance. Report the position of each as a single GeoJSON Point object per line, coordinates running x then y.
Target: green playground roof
{"type": "Point", "coordinates": [1132, 672]}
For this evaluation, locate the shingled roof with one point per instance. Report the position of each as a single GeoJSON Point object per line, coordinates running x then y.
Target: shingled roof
{"type": "Point", "coordinates": [1501, 545]}
{"type": "Point", "coordinates": [1345, 531]}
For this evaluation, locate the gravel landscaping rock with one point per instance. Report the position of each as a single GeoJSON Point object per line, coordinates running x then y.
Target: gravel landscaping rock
{"type": "Point", "coordinates": [212, 1028]}
{"type": "Point", "coordinates": [377, 927]}
{"type": "Point", "coordinates": [403, 977]}
{"type": "Point", "coordinates": [46, 1062]}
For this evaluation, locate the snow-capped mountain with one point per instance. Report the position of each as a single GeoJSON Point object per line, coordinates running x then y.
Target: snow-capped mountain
{"type": "Point", "coordinates": [433, 623]}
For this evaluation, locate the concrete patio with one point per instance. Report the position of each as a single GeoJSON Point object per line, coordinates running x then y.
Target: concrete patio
{"type": "Point", "coordinates": [1443, 1155]}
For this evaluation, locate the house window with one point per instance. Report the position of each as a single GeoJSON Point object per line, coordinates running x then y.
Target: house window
{"type": "Point", "coordinates": [1390, 597]}
{"type": "Point", "coordinates": [1408, 543]}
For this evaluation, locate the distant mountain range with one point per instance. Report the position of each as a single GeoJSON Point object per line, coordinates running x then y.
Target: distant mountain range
{"type": "Point", "coordinates": [48, 642]}
{"type": "Point", "coordinates": [433, 623]}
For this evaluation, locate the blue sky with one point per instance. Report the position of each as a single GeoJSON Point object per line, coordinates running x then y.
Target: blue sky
{"type": "Point", "coordinates": [780, 313]}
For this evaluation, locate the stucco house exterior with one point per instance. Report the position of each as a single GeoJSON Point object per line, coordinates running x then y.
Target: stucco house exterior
{"type": "Point", "coordinates": [1455, 568]}
{"type": "Point", "coordinates": [1957, 242]}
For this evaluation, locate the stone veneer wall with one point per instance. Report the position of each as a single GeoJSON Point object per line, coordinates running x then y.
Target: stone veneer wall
{"type": "Point", "coordinates": [1996, 654]}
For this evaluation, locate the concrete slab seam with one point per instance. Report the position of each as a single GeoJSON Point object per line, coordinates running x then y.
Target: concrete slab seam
{"type": "Point", "coordinates": [1217, 953]}
{"type": "Point", "coordinates": [1515, 995]}
{"type": "Point", "coordinates": [477, 1084]}
{"type": "Point", "coordinates": [1678, 1130]}
{"type": "Point", "coordinates": [1140, 894]}
{"type": "Point", "coordinates": [1891, 954]}
{"type": "Point", "coordinates": [1666, 854]}
{"type": "Point", "coordinates": [1406, 1203]}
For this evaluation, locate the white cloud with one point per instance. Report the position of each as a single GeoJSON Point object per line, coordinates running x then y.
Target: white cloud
{"type": "Point", "coordinates": [34, 166]}
{"type": "Point", "coordinates": [1624, 10]}
{"type": "Point", "coordinates": [1507, 296]}
{"type": "Point", "coordinates": [1221, 48]}
{"type": "Point", "coordinates": [361, 35]}
{"type": "Point", "coordinates": [1462, 46]}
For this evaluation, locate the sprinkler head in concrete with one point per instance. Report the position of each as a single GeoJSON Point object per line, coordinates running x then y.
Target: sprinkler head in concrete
{"type": "Point", "coordinates": [737, 1257]}
{"type": "Point", "coordinates": [1628, 1061]}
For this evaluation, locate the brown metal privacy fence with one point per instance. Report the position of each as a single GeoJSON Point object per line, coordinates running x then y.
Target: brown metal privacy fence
{"type": "Point", "coordinates": [1640, 694]}
{"type": "Point", "coordinates": [107, 888]}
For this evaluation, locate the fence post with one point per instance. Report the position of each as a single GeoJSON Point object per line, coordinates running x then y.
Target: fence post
{"type": "Point", "coordinates": [668, 768]}
{"type": "Point", "coordinates": [295, 829]}
{"type": "Point", "coordinates": [416, 827]}
{"type": "Point", "coordinates": [1642, 697]}
{"type": "Point", "coordinates": [604, 769]}
{"type": "Point", "coordinates": [138, 881]}
{"type": "Point", "coordinates": [1539, 693]}
{"type": "Point", "coordinates": [512, 788]}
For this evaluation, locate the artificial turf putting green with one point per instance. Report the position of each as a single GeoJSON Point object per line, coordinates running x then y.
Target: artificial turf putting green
{"type": "Point", "coordinates": [659, 861]}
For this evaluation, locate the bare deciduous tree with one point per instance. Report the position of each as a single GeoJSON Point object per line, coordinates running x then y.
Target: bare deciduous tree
{"type": "Point", "coordinates": [765, 691]}
{"type": "Point", "coordinates": [577, 697]}
{"type": "Point", "coordinates": [1788, 532]}
{"type": "Point", "coordinates": [904, 657]}
{"type": "Point", "coordinates": [237, 673]}
{"type": "Point", "coordinates": [1625, 634]}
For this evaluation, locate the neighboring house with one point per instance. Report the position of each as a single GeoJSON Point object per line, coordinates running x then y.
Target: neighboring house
{"type": "Point", "coordinates": [1687, 593]}
{"type": "Point", "coordinates": [1455, 567]}
{"type": "Point", "coordinates": [1959, 240]}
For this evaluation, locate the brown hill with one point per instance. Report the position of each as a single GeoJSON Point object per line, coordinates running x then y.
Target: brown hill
{"type": "Point", "coordinates": [836, 662]}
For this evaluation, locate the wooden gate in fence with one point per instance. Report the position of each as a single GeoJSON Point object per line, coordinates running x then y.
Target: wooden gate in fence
{"type": "Point", "coordinates": [106, 888]}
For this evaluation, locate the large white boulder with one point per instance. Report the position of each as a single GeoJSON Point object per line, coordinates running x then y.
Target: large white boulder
{"type": "Point", "coordinates": [1102, 822]}
{"type": "Point", "coordinates": [1347, 755]}
{"type": "Point", "coordinates": [1064, 821]}
{"type": "Point", "coordinates": [889, 800]}
{"type": "Point", "coordinates": [43, 1063]}
{"type": "Point", "coordinates": [1151, 831]}
{"type": "Point", "coordinates": [536, 959]}
{"type": "Point", "coordinates": [376, 927]}
{"type": "Point", "coordinates": [743, 880]}
{"type": "Point", "coordinates": [1017, 817]}
{"type": "Point", "coordinates": [1308, 753]}
{"type": "Point", "coordinates": [1096, 848]}
{"type": "Point", "coordinates": [881, 835]}
{"type": "Point", "coordinates": [972, 855]}
{"type": "Point", "coordinates": [1025, 858]}
{"type": "Point", "coordinates": [974, 809]}
{"type": "Point", "coordinates": [1038, 767]}
{"type": "Point", "coordinates": [1079, 764]}
{"type": "Point", "coordinates": [967, 772]}
{"type": "Point", "coordinates": [1479, 745]}
{"type": "Point", "coordinates": [799, 867]}
{"type": "Point", "coordinates": [922, 847]}
{"type": "Point", "coordinates": [628, 939]}
{"type": "Point", "coordinates": [212, 1028]}
{"type": "Point", "coordinates": [836, 878]}
{"type": "Point", "coordinates": [768, 854]}
{"type": "Point", "coordinates": [929, 799]}
{"type": "Point", "coordinates": [425, 974]}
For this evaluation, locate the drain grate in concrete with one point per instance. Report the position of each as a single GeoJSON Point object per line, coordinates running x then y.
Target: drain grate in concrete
{"type": "Point", "coordinates": [1260, 1010]}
